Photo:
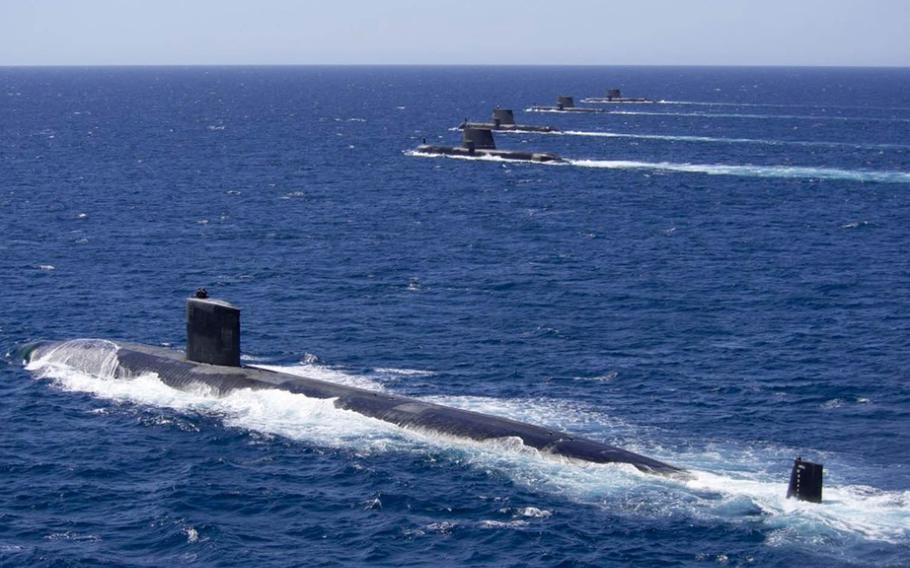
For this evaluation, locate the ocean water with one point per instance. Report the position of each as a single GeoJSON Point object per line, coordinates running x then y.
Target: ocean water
{"type": "Point", "coordinates": [720, 280]}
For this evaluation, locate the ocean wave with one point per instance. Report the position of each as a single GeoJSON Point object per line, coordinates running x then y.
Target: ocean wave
{"type": "Point", "coordinates": [395, 372]}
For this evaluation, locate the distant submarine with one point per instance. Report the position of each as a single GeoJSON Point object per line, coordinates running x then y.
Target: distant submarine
{"type": "Point", "coordinates": [564, 104]}
{"type": "Point", "coordinates": [615, 96]}
{"type": "Point", "coordinates": [504, 120]}
{"type": "Point", "coordinates": [479, 142]}
{"type": "Point", "coordinates": [213, 359]}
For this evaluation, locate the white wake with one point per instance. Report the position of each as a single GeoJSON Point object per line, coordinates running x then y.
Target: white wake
{"type": "Point", "coordinates": [739, 170]}
{"type": "Point", "coordinates": [722, 140]}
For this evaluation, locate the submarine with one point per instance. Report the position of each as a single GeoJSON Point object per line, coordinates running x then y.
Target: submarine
{"type": "Point", "coordinates": [615, 96]}
{"type": "Point", "coordinates": [564, 104]}
{"type": "Point", "coordinates": [504, 119]}
{"type": "Point", "coordinates": [212, 360]}
{"type": "Point", "coordinates": [476, 142]}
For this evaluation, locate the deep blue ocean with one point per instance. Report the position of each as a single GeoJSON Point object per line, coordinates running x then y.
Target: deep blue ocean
{"type": "Point", "coordinates": [720, 280]}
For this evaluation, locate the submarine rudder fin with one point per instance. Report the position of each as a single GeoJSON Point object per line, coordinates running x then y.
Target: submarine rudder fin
{"type": "Point", "coordinates": [806, 480]}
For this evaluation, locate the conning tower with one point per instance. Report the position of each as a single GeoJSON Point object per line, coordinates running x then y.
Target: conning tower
{"type": "Point", "coordinates": [503, 117]}
{"type": "Point", "coordinates": [212, 331]}
{"type": "Point", "coordinates": [477, 139]}
{"type": "Point", "coordinates": [564, 102]}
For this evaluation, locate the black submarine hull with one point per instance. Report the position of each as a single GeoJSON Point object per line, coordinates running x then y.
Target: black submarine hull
{"type": "Point", "coordinates": [175, 371]}
{"type": "Point", "coordinates": [507, 127]}
{"type": "Point", "coordinates": [479, 152]}
{"type": "Point", "coordinates": [617, 100]}
{"type": "Point", "coordinates": [565, 109]}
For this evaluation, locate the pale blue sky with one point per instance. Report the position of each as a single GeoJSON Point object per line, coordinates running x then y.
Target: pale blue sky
{"type": "Point", "coordinates": [652, 32]}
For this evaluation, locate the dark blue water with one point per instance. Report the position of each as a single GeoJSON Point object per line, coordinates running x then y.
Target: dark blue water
{"type": "Point", "coordinates": [721, 281]}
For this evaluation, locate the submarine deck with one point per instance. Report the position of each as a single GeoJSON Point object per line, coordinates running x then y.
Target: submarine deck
{"type": "Point", "coordinates": [564, 109]}
{"type": "Point", "coordinates": [507, 127]}
{"type": "Point", "coordinates": [175, 371]}
{"type": "Point", "coordinates": [621, 100]}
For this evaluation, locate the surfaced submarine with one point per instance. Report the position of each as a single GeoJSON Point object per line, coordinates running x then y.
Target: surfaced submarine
{"type": "Point", "coordinates": [615, 96]}
{"type": "Point", "coordinates": [564, 104]}
{"type": "Point", "coordinates": [478, 142]}
{"type": "Point", "coordinates": [212, 360]}
{"type": "Point", "coordinates": [504, 119]}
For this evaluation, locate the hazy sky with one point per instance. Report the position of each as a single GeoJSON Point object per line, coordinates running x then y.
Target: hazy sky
{"type": "Point", "coordinates": [654, 32]}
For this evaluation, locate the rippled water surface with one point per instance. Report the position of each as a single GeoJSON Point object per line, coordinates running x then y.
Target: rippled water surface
{"type": "Point", "coordinates": [720, 280]}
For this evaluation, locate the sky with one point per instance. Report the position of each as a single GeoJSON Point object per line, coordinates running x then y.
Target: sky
{"type": "Point", "coordinates": [492, 32]}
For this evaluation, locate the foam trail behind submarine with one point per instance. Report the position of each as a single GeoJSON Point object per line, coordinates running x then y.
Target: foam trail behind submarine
{"type": "Point", "coordinates": [213, 359]}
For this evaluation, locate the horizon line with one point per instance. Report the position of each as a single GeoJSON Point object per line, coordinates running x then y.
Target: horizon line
{"type": "Point", "coordinates": [489, 65]}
